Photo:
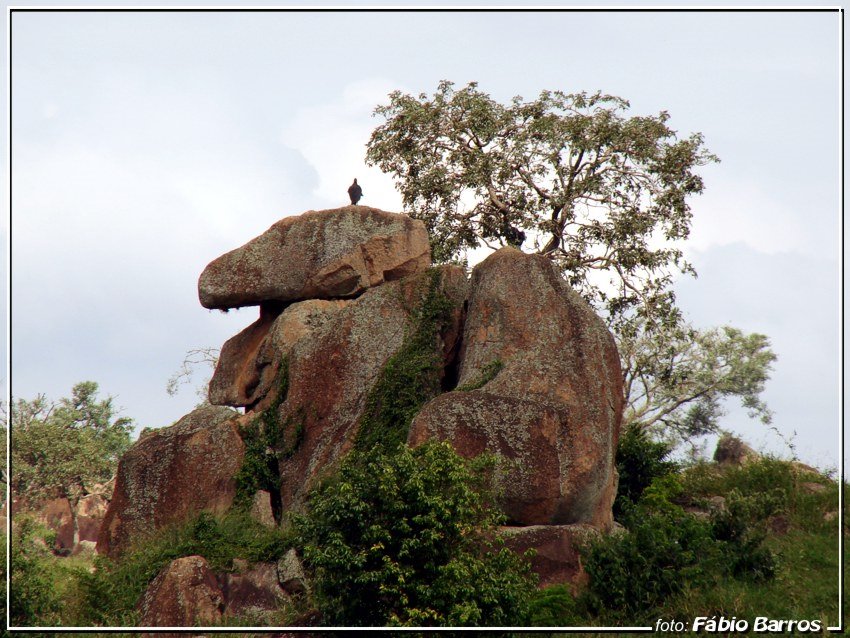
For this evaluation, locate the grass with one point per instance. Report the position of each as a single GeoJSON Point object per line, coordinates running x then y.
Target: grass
{"type": "Point", "coordinates": [805, 587]}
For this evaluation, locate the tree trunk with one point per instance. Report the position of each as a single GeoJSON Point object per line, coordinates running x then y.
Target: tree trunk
{"type": "Point", "coordinates": [75, 521]}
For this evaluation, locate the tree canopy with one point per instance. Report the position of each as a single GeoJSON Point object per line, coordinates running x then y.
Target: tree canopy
{"type": "Point", "coordinates": [567, 175]}
{"type": "Point", "coordinates": [65, 448]}
{"type": "Point", "coordinates": [676, 379]}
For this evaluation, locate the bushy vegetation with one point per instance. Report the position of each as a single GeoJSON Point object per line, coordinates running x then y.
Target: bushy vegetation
{"type": "Point", "coordinates": [640, 460]}
{"type": "Point", "coordinates": [34, 596]}
{"type": "Point", "coordinates": [719, 559]}
{"type": "Point", "coordinates": [267, 440]}
{"type": "Point", "coordinates": [110, 594]}
{"type": "Point", "coordinates": [406, 538]}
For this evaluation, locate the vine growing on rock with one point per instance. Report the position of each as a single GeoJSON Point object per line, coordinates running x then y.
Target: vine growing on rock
{"type": "Point", "coordinates": [410, 377]}
{"type": "Point", "coordinates": [268, 439]}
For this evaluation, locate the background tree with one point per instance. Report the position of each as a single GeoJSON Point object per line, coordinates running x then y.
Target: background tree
{"type": "Point", "coordinates": [677, 378]}
{"type": "Point", "coordinates": [602, 194]}
{"type": "Point", "coordinates": [66, 449]}
{"type": "Point", "coordinates": [205, 359]}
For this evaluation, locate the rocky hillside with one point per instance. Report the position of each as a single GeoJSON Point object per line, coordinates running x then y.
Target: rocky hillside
{"type": "Point", "coordinates": [359, 342]}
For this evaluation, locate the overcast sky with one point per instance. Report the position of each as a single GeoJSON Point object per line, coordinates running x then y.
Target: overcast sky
{"type": "Point", "coordinates": [147, 144]}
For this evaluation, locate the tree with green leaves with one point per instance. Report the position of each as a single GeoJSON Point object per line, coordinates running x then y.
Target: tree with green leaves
{"type": "Point", "coordinates": [66, 449]}
{"type": "Point", "coordinates": [677, 378]}
{"type": "Point", "coordinates": [566, 175]}
{"type": "Point", "coordinates": [605, 196]}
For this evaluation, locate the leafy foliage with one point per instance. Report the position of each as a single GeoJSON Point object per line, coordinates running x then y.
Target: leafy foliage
{"type": "Point", "coordinates": [740, 526]}
{"type": "Point", "coordinates": [406, 539]}
{"type": "Point", "coordinates": [675, 552]}
{"type": "Point", "coordinates": [34, 600]}
{"type": "Point", "coordinates": [640, 460]}
{"type": "Point", "coordinates": [662, 552]}
{"type": "Point", "coordinates": [268, 440]}
{"type": "Point", "coordinates": [555, 606]}
{"type": "Point", "coordinates": [64, 448]}
{"type": "Point", "coordinates": [410, 377]}
{"type": "Point", "coordinates": [601, 193]}
{"type": "Point", "coordinates": [676, 377]}
{"type": "Point", "coordinates": [569, 174]}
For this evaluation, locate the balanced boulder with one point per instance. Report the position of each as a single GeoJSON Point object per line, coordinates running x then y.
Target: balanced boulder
{"type": "Point", "coordinates": [318, 255]}
{"type": "Point", "coordinates": [172, 473]}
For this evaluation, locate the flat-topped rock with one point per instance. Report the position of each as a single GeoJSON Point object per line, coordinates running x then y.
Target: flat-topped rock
{"type": "Point", "coordinates": [324, 254]}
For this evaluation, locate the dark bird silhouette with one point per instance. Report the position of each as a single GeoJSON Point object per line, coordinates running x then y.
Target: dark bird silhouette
{"type": "Point", "coordinates": [355, 192]}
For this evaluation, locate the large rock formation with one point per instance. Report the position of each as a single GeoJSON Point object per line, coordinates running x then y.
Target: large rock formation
{"type": "Point", "coordinates": [171, 474]}
{"type": "Point", "coordinates": [318, 255]}
{"type": "Point", "coordinates": [554, 407]}
{"type": "Point", "coordinates": [519, 365]}
{"type": "Point", "coordinates": [249, 363]}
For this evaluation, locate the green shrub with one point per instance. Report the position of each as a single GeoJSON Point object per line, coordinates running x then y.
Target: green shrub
{"type": "Point", "coordinates": [113, 590]}
{"type": "Point", "coordinates": [640, 460]}
{"type": "Point", "coordinates": [407, 539]}
{"type": "Point", "coordinates": [740, 528]}
{"type": "Point", "coordinates": [266, 443]}
{"type": "Point", "coordinates": [34, 599]}
{"type": "Point", "coordinates": [554, 606]}
{"type": "Point", "coordinates": [666, 550]}
{"type": "Point", "coordinates": [634, 572]}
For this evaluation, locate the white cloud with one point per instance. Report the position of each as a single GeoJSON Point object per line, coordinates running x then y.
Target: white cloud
{"type": "Point", "coordinates": [333, 138]}
{"type": "Point", "coordinates": [745, 212]}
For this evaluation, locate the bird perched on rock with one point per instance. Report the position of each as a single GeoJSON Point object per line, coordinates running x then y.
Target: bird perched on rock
{"type": "Point", "coordinates": [355, 192]}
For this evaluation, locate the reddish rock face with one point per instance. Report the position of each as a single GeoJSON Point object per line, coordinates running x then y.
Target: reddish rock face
{"type": "Point", "coordinates": [318, 255]}
{"type": "Point", "coordinates": [525, 435]}
{"type": "Point", "coordinates": [171, 474]}
{"type": "Point", "coordinates": [555, 407]}
{"type": "Point", "coordinates": [557, 558]}
{"type": "Point", "coordinates": [256, 589]}
{"type": "Point", "coordinates": [333, 369]}
{"type": "Point", "coordinates": [184, 594]}
{"type": "Point", "coordinates": [249, 363]}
